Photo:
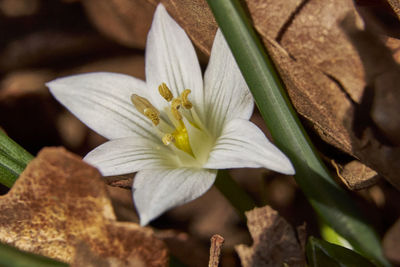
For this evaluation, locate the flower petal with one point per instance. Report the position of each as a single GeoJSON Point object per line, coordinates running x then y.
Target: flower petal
{"type": "Point", "coordinates": [102, 101]}
{"type": "Point", "coordinates": [131, 154]}
{"type": "Point", "coordinates": [242, 144]}
{"type": "Point", "coordinates": [171, 58]}
{"type": "Point", "coordinates": [156, 191]}
{"type": "Point", "coordinates": [225, 91]}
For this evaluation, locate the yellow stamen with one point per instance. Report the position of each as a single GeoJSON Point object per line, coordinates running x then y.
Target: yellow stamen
{"type": "Point", "coordinates": [152, 114]}
{"type": "Point", "coordinates": [146, 108]}
{"type": "Point", "coordinates": [180, 136]}
{"type": "Point", "coordinates": [167, 139]}
{"type": "Point", "coordinates": [185, 102]}
{"type": "Point", "coordinates": [175, 105]}
{"type": "Point", "coordinates": [165, 92]}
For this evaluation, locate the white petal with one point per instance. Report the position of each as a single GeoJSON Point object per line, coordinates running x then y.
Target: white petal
{"type": "Point", "coordinates": [102, 101]}
{"type": "Point", "coordinates": [225, 91]}
{"type": "Point", "coordinates": [242, 144]}
{"type": "Point", "coordinates": [131, 154]}
{"type": "Point", "coordinates": [171, 58]}
{"type": "Point", "coordinates": [156, 191]}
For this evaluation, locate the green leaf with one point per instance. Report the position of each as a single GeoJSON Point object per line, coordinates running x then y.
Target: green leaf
{"type": "Point", "coordinates": [12, 257]}
{"type": "Point", "coordinates": [331, 236]}
{"type": "Point", "coordinates": [8, 146]}
{"type": "Point", "coordinates": [9, 169]}
{"type": "Point", "coordinates": [324, 254]}
{"type": "Point", "coordinates": [13, 160]}
{"type": "Point", "coordinates": [328, 199]}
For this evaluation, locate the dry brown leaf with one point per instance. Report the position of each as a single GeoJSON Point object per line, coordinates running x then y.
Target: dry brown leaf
{"type": "Point", "coordinates": [382, 77]}
{"type": "Point", "coordinates": [395, 4]}
{"type": "Point", "coordinates": [201, 20]}
{"type": "Point", "coordinates": [353, 173]}
{"type": "Point", "coordinates": [274, 241]}
{"type": "Point", "coordinates": [322, 70]}
{"type": "Point", "coordinates": [59, 202]}
{"type": "Point", "coordinates": [391, 243]}
{"type": "Point", "coordinates": [125, 21]}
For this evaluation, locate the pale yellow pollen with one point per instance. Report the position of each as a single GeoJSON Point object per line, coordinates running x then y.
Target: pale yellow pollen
{"type": "Point", "coordinates": [165, 92]}
{"type": "Point", "coordinates": [175, 105]}
{"type": "Point", "coordinates": [167, 139]}
{"type": "Point", "coordinates": [185, 102]}
{"type": "Point", "coordinates": [153, 115]}
{"type": "Point", "coordinates": [146, 108]}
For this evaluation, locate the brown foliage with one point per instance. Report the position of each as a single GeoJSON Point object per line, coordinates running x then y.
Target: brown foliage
{"type": "Point", "coordinates": [59, 207]}
{"type": "Point", "coordinates": [274, 241]}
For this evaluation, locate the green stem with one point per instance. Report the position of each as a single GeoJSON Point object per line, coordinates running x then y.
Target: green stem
{"type": "Point", "coordinates": [235, 194]}
{"type": "Point", "coordinates": [330, 201]}
{"type": "Point", "coordinates": [10, 256]}
{"type": "Point", "coordinates": [13, 160]}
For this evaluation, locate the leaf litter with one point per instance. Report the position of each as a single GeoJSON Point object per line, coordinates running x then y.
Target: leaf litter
{"type": "Point", "coordinates": [324, 59]}
{"type": "Point", "coordinates": [60, 204]}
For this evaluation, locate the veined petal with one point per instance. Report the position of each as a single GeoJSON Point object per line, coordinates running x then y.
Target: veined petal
{"type": "Point", "coordinates": [242, 144]}
{"type": "Point", "coordinates": [156, 191]}
{"type": "Point", "coordinates": [102, 101]}
{"type": "Point", "coordinates": [226, 94]}
{"type": "Point", "coordinates": [130, 154]}
{"type": "Point", "coordinates": [171, 58]}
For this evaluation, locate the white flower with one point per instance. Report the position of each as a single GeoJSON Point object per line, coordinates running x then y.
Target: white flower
{"type": "Point", "coordinates": [174, 138]}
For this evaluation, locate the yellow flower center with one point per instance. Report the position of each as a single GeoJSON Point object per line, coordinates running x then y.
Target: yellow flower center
{"type": "Point", "coordinates": [179, 137]}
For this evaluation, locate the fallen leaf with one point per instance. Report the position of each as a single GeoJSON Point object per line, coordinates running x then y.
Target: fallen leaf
{"type": "Point", "coordinates": [356, 175]}
{"type": "Point", "coordinates": [395, 4]}
{"type": "Point", "coordinates": [60, 202]}
{"type": "Point", "coordinates": [201, 22]}
{"type": "Point", "coordinates": [382, 77]}
{"type": "Point", "coordinates": [123, 20]}
{"type": "Point", "coordinates": [274, 241]}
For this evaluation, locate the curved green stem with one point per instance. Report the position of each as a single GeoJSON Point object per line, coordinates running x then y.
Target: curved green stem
{"type": "Point", "coordinates": [329, 200]}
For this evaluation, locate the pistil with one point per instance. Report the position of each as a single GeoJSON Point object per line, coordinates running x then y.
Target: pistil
{"type": "Point", "coordinates": [179, 137]}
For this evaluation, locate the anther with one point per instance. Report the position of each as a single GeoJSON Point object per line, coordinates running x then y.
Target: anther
{"type": "Point", "coordinates": [185, 102]}
{"type": "Point", "coordinates": [152, 114]}
{"type": "Point", "coordinates": [175, 105]}
{"type": "Point", "coordinates": [146, 108]}
{"type": "Point", "coordinates": [165, 92]}
{"type": "Point", "coordinates": [167, 139]}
